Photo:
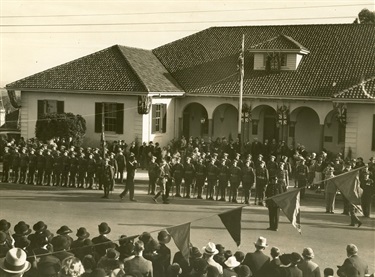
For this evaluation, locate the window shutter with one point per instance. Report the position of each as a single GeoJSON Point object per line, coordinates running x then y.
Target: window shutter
{"type": "Point", "coordinates": [60, 106]}
{"type": "Point", "coordinates": [98, 117]}
{"type": "Point", "coordinates": [153, 121]}
{"type": "Point", "coordinates": [119, 118]}
{"type": "Point", "coordinates": [40, 108]}
{"type": "Point", "coordinates": [164, 117]}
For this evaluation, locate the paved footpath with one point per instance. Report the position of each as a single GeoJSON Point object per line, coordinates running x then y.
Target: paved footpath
{"type": "Point", "coordinates": [327, 234]}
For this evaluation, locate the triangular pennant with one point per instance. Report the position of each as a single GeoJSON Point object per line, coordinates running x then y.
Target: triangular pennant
{"type": "Point", "coordinates": [232, 221]}
{"type": "Point", "coordinates": [289, 202]}
{"type": "Point", "coordinates": [181, 237]}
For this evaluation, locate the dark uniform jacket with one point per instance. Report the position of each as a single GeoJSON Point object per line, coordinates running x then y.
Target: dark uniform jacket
{"type": "Point", "coordinates": [257, 262]}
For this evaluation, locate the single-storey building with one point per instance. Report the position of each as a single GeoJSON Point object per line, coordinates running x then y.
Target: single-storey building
{"type": "Point", "coordinates": [307, 84]}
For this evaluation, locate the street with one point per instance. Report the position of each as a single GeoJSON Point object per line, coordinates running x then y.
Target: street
{"type": "Point", "coordinates": [327, 234]}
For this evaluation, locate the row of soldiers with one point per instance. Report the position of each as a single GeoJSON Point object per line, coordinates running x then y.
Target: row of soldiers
{"type": "Point", "coordinates": [74, 167]}
{"type": "Point", "coordinates": [222, 176]}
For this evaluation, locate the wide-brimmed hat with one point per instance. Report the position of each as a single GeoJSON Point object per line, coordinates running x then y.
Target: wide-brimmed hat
{"type": "Point", "coordinates": [308, 253]}
{"type": "Point", "coordinates": [295, 257]}
{"type": "Point", "coordinates": [15, 261]}
{"type": "Point", "coordinates": [210, 249]}
{"type": "Point", "coordinates": [261, 242]}
{"type": "Point", "coordinates": [82, 233]}
{"type": "Point", "coordinates": [39, 227]}
{"type": "Point", "coordinates": [285, 259]}
{"type": "Point", "coordinates": [23, 229]}
{"type": "Point", "coordinates": [145, 236]}
{"type": "Point", "coordinates": [195, 253]}
{"type": "Point", "coordinates": [104, 228]}
{"type": "Point", "coordinates": [164, 237]}
{"type": "Point", "coordinates": [4, 225]}
{"type": "Point", "coordinates": [64, 230]}
{"type": "Point", "coordinates": [60, 243]}
{"type": "Point", "coordinates": [232, 262]}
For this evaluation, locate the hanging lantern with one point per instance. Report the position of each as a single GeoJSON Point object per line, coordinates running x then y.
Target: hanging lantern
{"type": "Point", "coordinates": [144, 104]}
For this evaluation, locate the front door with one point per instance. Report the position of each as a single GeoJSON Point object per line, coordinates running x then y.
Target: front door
{"type": "Point", "coordinates": [269, 128]}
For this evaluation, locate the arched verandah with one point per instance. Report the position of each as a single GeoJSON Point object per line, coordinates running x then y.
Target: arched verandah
{"type": "Point", "coordinates": [195, 121]}
{"type": "Point", "coordinates": [225, 121]}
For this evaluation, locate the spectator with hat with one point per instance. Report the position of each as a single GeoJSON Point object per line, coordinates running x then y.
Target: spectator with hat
{"type": "Point", "coordinates": [162, 260]}
{"type": "Point", "coordinates": [82, 234]}
{"type": "Point", "coordinates": [65, 231]}
{"type": "Point", "coordinates": [48, 266]}
{"type": "Point", "coordinates": [14, 263]}
{"type": "Point", "coordinates": [199, 268]}
{"type": "Point", "coordinates": [307, 266]}
{"type": "Point", "coordinates": [353, 260]}
{"type": "Point", "coordinates": [257, 261]}
{"type": "Point", "coordinates": [110, 261]}
{"type": "Point", "coordinates": [231, 263]}
{"type": "Point", "coordinates": [4, 227]}
{"type": "Point", "coordinates": [208, 253]}
{"type": "Point", "coordinates": [61, 245]}
{"type": "Point", "coordinates": [102, 242]}
{"type": "Point", "coordinates": [3, 244]}
{"type": "Point", "coordinates": [21, 229]}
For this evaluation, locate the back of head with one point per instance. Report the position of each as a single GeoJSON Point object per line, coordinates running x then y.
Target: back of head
{"type": "Point", "coordinates": [243, 271]}
{"type": "Point", "coordinates": [351, 249]}
{"type": "Point", "coordinates": [138, 247]}
{"type": "Point", "coordinates": [328, 272]}
{"type": "Point", "coordinates": [212, 271]}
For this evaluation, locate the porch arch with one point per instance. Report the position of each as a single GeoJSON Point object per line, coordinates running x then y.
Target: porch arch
{"type": "Point", "coordinates": [225, 121]}
{"type": "Point", "coordinates": [334, 133]}
{"type": "Point", "coordinates": [264, 123]}
{"type": "Point", "coordinates": [194, 120]}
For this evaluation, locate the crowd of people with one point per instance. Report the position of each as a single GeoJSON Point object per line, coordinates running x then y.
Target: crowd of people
{"type": "Point", "coordinates": [40, 253]}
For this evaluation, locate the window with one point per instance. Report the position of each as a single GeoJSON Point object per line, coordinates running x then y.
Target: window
{"type": "Point", "coordinates": [159, 118]}
{"type": "Point", "coordinates": [273, 61]}
{"type": "Point", "coordinates": [113, 117]}
{"type": "Point", "coordinates": [50, 106]}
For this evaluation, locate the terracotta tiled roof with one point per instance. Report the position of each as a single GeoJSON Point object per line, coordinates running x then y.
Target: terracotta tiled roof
{"type": "Point", "coordinates": [280, 42]}
{"type": "Point", "coordinates": [116, 68]}
{"type": "Point", "coordinates": [364, 90]}
{"type": "Point", "coordinates": [206, 63]}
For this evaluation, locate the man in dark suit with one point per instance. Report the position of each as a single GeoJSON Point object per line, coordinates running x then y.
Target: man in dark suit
{"type": "Point", "coordinates": [353, 261]}
{"type": "Point", "coordinates": [272, 268]}
{"type": "Point", "coordinates": [101, 242]}
{"type": "Point", "coordinates": [257, 261]}
{"type": "Point", "coordinates": [138, 263]}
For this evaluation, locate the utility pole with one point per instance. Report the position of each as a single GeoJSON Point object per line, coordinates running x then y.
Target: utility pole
{"type": "Point", "coordinates": [242, 73]}
{"type": "Point", "coordinates": [103, 137]}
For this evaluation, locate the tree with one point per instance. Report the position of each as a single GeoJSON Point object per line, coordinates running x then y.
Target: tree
{"type": "Point", "coordinates": [365, 16]}
{"type": "Point", "coordinates": [63, 125]}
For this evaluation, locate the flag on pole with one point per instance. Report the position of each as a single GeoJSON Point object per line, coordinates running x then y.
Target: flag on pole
{"type": "Point", "coordinates": [349, 185]}
{"type": "Point", "coordinates": [181, 237]}
{"type": "Point", "coordinates": [232, 221]}
{"type": "Point", "coordinates": [289, 202]}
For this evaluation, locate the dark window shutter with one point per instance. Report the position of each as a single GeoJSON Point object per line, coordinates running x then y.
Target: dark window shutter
{"type": "Point", "coordinates": [98, 117]}
{"type": "Point", "coordinates": [40, 108]}
{"type": "Point", "coordinates": [119, 118]}
{"type": "Point", "coordinates": [164, 117]}
{"type": "Point", "coordinates": [153, 120]}
{"type": "Point", "coordinates": [60, 106]}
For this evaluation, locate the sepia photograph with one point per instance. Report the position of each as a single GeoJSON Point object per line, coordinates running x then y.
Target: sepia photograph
{"type": "Point", "coordinates": [187, 138]}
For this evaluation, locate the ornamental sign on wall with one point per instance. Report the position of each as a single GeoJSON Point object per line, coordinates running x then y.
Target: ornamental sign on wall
{"type": "Point", "coordinates": [282, 115]}
{"type": "Point", "coordinates": [340, 109]}
{"type": "Point", "coordinates": [246, 113]}
{"type": "Point", "coordinates": [144, 104]}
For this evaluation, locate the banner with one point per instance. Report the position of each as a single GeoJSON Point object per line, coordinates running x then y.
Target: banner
{"type": "Point", "coordinates": [348, 184]}
{"type": "Point", "coordinates": [181, 237]}
{"type": "Point", "coordinates": [232, 221]}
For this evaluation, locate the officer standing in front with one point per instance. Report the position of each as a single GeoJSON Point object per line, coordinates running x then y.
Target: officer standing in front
{"type": "Point", "coordinates": [273, 188]}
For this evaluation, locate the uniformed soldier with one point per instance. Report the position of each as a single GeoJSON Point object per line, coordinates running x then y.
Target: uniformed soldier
{"type": "Point", "coordinates": [201, 174]}
{"type": "Point", "coordinates": [82, 169]}
{"type": "Point", "coordinates": [7, 162]}
{"type": "Point", "coordinates": [16, 159]}
{"type": "Point", "coordinates": [56, 172]}
{"type": "Point", "coordinates": [261, 177]}
{"type": "Point", "coordinates": [212, 173]}
{"type": "Point", "coordinates": [302, 172]}
{"type": "Point", "coordinates": [235, 176]}
{"type": "Point", "coordinates": [64, 169]}
{"type": "Point", "coordinates": [73, 169]}
{"type": "Point", "coordinates": [272, 166]}
{"type": "Point", "coordinates": [189, 176]}
{"type": "Point", "coordinates": [282, 176]}
{"type": "Point", "coordinates": [121, 163]}
{"type": "Point", "coordinates": [40, 166]}
{"type": "Point", "coordinates": [99, 172]}
{"type": "Point", "coordinates": [248, 180]}
{"type": "Point", "coordinates": [152, 175]}
{"type": "Point", "coordinates": [162, 179]}
{"type": "Point", "coordinates": [177, 171]}
{"type": "Point", "coordinates": [91, 168]}
{"type": "Point", "coordinates": [273, 188]}
{"type": "Point", "coordinates": [49, 160]}
{"type": "Point", "coordinates": [368, 186]}
{"type": "Point", "coordinates": [24, 163]}
{"type": "Point", "coordinates": [131, 168]}
{"type": "Point", "coordinates": [223, 178]}
{"type": "Point", "coordinates": [108, 177]}
{"type": "Point", "coordinates": [113, 163]}
{"type": "Point", "coordinates": [32, 167]}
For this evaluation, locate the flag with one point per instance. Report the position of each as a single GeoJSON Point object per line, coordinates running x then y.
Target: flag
{"type": "Point", "coordinates": [181, 237]}
{"type": "Point", "coordinates": [290, 205]}
{"type": "Point", "coordinates": [232, 221]}
{"type": "Point", "coordinates": [348, 184]}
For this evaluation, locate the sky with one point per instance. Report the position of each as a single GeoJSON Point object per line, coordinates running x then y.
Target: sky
{"type": "Point", "coordinates": [38, 35]}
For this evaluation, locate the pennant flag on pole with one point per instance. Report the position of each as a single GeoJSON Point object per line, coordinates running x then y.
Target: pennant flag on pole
{"type": "Point", "coordinates": [181, 237]}
{"type": "Point", "coordinates": [348, 184]}
{"type": "Point", "coordinates": [290, 205]}
{"type": "Point", "coordinates": [232, 221]}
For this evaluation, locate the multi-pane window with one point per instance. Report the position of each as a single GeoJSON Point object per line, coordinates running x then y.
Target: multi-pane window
{"type": "Point", "coordinates": [50, 106]}
{"type": "Point", "coordinates": [112, 115]}
{"type": "Point", "coordinates": [273, 61]}
{"type": "Point", "coordinates": [159, 118]}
